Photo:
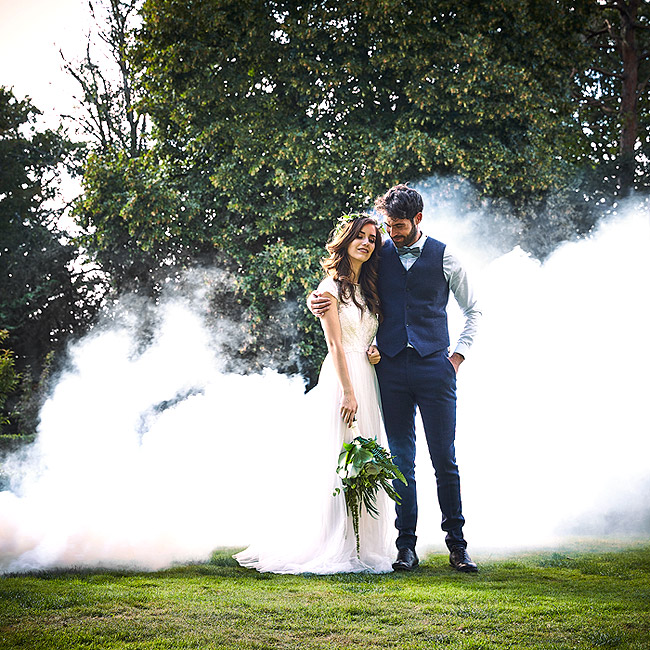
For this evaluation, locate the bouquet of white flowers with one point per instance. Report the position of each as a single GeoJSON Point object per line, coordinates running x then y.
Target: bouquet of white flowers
{"type": "Point", "coordinates": [365, 467]}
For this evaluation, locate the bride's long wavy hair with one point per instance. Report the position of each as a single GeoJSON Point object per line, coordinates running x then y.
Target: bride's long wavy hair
{"type": "Point", "coordinates": [338, 266]}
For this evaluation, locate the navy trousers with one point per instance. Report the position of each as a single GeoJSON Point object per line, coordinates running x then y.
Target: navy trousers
{"type": "Point", "coordinates": [406, 381]}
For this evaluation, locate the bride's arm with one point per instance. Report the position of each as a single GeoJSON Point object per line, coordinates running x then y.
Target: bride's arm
{"type": "Point", "coordinates": [332, 328]}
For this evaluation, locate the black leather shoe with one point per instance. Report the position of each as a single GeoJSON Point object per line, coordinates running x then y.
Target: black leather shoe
{"type": "Point", "coordinates": [406, 560]}
{"type": "Point", "coordinates": [461, 561]}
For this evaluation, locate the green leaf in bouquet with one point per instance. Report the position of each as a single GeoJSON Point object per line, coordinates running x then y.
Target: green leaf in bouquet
{"type": "Point", "coordinates": [362, 457]}
{"type": "Point", "coordinates": [365, 467]}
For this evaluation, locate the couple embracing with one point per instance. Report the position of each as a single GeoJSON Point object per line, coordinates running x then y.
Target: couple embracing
{"type": "Point", "coordinates": [397, 292]}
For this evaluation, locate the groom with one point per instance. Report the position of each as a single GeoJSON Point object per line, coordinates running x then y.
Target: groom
{"type": "Point", "coordinates": [416, 275]}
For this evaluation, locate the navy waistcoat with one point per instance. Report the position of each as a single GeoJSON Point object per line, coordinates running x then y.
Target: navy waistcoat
{"type": "Point", "coordinates": [414, 302]}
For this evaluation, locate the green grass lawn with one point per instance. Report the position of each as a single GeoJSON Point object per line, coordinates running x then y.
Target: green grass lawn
{"type": "Point", "coordinates": [577, 599]}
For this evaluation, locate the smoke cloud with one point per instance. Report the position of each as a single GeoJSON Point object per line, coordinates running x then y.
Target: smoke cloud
{"type": "Point", "coordinates": [151, 450]}
{"type": "Point", "coordinates": [552, 436]}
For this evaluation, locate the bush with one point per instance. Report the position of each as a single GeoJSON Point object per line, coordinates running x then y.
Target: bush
{"type": "Point", "coordinates": [9, 378]}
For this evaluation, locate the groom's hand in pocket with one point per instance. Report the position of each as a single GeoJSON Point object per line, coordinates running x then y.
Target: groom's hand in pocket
{"type": "Point", "coordinates": [456, 359]}
{"type": "Point", "coordinates": [318, 304]}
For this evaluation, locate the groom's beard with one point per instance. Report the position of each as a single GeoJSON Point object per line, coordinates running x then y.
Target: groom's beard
{"type": "Point", "coordinates": [407, 240]}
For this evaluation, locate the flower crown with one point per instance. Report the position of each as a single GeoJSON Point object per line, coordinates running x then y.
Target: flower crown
{"type": "Point", "coordinates": [345, 219]}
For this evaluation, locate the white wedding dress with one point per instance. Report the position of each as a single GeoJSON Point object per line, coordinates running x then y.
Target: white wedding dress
{"type": "Point", "coordinates": [322, 540]}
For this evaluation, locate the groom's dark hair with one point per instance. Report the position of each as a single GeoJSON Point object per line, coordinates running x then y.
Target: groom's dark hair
{"type": "Point", "coordinates": [400, 202]}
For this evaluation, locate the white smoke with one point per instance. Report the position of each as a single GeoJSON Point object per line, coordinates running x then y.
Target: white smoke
{"type": "Point", "coordinates": [552, 435]}
{"type": "Point", "coordinates": [147, 456]}
{"type": "Point", "coordinates": [143, 457]}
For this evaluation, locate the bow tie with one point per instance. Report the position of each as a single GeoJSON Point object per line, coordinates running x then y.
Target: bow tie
{"type": "Point", "coordinates": [403, 250]}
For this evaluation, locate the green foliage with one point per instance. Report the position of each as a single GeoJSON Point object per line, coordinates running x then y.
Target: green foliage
{"type": "Point", "coordinates": [612, 93]}
{"type": "Point", "coordinates": [9, 378]}
{"type": "Point", "coordinates": [364, 468]}
{"type": "Point", "coordinates": [29, 159]}
{"type": "Point", "coordinates": [33, 262]}
{"type": "Point", "coordinates": [330, 94]}
{"type": "Point", "coordinates": [135, 221]}
{"type": "Point", "coordinates": [272, 119]}
{"type": "Point", "coordinates": [126, 212]}
{"type": "Point", "coordinates": [42, 299]}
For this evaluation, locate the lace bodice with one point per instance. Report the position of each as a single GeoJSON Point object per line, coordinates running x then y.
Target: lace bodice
{"type": "Point", "coordinates": [358, 327]}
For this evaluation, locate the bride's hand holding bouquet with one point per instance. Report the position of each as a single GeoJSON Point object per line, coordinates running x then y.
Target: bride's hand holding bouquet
{"type": "Point", "coordinates": [349, 407]}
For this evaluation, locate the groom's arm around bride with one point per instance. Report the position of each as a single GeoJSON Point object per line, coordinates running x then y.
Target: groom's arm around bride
{"type": "Point", "coordinates": [416, 275]}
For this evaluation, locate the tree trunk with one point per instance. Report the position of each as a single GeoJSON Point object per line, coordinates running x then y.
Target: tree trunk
{"type": "Point", "coordinates": [629, 93]}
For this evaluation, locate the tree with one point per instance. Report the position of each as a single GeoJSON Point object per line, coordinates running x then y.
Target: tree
{"type": "Point", "coordinates": [279, 93]}
{"type": "Point", "coordinates": [275, 117]}
{"type": "Point", "coordinates": [120, 177]}
{"type": "Point", "coordinates": [43, 299]}
{"type": "Point", "coordinates": [613, 91]}
{"type": "Point", "coordinates": [130, 215]}
{"type": "Point", "coordinates": [8, 377]}
{"type": "Point", "coordinates": [138, 221]}
{"type": "Point", "coordinates": [270, 118]}
{"type": "Point", "coordinates": [109, 115]}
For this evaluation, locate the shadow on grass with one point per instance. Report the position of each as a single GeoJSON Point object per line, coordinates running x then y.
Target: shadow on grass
{"type": "Point", "coordinates": [621, 563]}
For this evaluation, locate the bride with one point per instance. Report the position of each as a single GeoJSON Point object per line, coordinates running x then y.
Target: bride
{"type": "Point", "coordinates": [348, 397]}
